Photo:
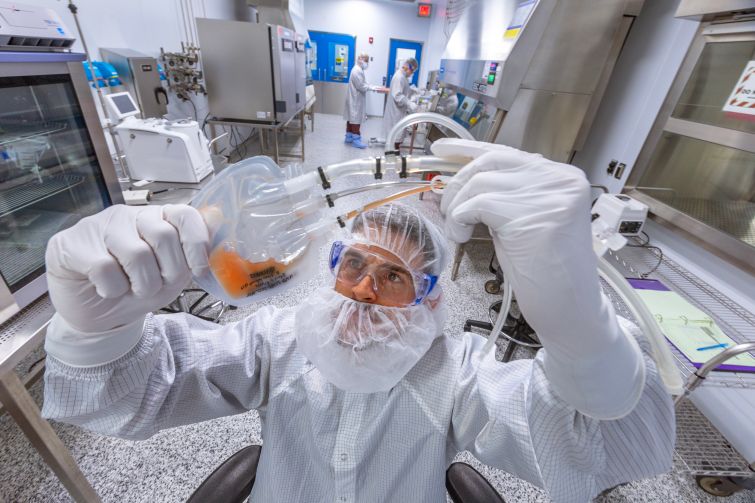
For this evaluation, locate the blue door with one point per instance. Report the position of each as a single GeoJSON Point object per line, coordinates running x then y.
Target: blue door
{"type": "Point", "coordinates": [400, 51]}
{"type": "Point", "coordinates": [332, 56]}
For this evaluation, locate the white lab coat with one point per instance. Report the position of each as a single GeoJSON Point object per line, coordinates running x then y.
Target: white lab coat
{"type": "Point", "coordinates": [355, 109]}
{"type": "Point", "coordinates": [324, 444]}
{"type": "Point", "coordinates": [397, 104]}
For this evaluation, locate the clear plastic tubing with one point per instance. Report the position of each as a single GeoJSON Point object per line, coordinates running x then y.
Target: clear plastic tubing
{"type": "Point", "coordinates": [428, 117]}
{"type": "Point", "coordinates": [664, 360]}
{"type": "Point", "coordinates": [414, 164]}
{"type": "Point", "coordinates": [502, 315]}
{"type": "Point", "coordinates": [314, 204]}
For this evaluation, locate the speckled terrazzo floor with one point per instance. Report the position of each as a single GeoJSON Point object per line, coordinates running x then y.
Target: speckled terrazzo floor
{"type": "Point", "coordinates": [169, 466]}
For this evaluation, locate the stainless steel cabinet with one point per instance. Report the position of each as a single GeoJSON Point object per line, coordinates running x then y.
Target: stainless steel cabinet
{"type": "Point", "coordinates": [697, 168]}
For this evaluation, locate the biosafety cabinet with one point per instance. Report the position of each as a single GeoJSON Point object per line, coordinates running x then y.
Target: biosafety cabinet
{"type": "Point", "coordinates": [531, 73]}
{"type": "Point", "coordinates": [251, 70]}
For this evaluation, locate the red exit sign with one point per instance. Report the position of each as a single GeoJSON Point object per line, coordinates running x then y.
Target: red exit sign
{"type": "Point", "coordinates": [424, 9]}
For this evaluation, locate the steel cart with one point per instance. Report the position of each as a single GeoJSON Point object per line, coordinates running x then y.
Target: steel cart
{"type": "Point", "coordinates": [719, 463]}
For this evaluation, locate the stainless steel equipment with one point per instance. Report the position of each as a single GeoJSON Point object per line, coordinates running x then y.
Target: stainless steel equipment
{"type": "Point", "coordinates": [283, 49]}
{"type": "Point", "coordinates": [301, 69]}
{"type": "Point", "coordinates": [532, 72]}
{"type": "Point", "coordinates": [696, 170]}
{"type": "Point", "coordinates": [250, 70]}
{"type": "Point", "coordinates": [141, 78]}
{"type": "Point", "coordinates": [55, 167]}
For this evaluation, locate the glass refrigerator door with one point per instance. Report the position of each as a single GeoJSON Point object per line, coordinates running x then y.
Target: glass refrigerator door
{"type": "Point", "coordinates": [49, 174]}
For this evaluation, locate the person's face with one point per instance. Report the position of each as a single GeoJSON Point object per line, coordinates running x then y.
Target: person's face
{"type": "Point", "coordinates": [374, 275]}
{"type": "Point", "coordinates": [407, 70]}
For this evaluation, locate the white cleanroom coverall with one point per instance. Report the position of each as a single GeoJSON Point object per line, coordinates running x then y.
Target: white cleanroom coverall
{"type": "Point", "coordinates": [397, 105]}
{"type": "Point", "coordinates": [355, 109]}
{"type": "Point", "coordinates": [321, 443]}
{"type": "Point", "coordinates": [588, 413]}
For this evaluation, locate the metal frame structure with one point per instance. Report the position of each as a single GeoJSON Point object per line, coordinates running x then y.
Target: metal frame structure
{"type": "Point", "coordinates": [716, 241]}
{"type": "Point", "coordinates": [264, 128]}
{"type": "Point", "coordinates": [701, 450]}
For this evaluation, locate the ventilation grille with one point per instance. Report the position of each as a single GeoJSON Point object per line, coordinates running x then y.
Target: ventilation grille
{"type": "Point", "coordinates": [20, 321]}
{"type": "Point", "coordinates": [35, 42]}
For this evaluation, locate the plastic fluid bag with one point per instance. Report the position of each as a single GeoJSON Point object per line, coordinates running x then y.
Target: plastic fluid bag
{"type": "Point", "coordinates": [258, 246]}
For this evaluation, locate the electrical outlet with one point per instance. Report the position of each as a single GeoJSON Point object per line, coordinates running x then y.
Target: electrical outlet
{"type": "Point", "coordinates": [612, 166]}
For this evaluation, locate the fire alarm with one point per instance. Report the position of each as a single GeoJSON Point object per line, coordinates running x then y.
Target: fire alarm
{"type": "Point", "coordinates": [372, 39]}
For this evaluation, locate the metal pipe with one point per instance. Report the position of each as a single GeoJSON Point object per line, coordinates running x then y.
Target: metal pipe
{"type": "Point", "coordinates": [699, 376]}
{"type": "Point", "coordinates": [183, 21]}
{"type": "Point", "coordinates": [109, 126]}
{"type": "Point", "coordinates": [432, 118]}
{"type": "Point", "coordinates": [192, 22]}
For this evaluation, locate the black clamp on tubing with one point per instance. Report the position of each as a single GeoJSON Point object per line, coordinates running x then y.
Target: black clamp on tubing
{"type": "Point", "coordinates": [392, 152]}
{"type": "Point", "coordinates": [325, 182]}
{"type": "Point", "coordinates": [340, 222]}
{"type": "Point", "coordinates": [378, 174]}
{"type": "Point", "coordinates": [403, 167]}
{"type": "Point", "coordinates": [329, 200]}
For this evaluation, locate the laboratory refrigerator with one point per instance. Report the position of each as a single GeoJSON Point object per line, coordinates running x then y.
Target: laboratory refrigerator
{"type": "Point", "coordinates": [55, 167]}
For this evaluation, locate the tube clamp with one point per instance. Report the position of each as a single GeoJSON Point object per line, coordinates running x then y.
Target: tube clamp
{"type": "Point", "coordinates": [325, 182]}
{"type": "Point", "coordinates": [378, 173]}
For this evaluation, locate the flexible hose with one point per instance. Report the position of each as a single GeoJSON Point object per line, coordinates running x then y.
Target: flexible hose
{"type": "Point", "coordinates": [432, 118]}
{"type": "Point", "coordinates": [664, 360]}
{"type": "Point", "coordinates": [502, 315]}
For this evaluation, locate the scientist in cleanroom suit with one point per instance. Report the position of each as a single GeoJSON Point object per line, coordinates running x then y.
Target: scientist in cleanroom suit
{"type": "Point", "coordinates": [361, 394]}
{"type": "Point", "coordinates": [399, 102]}
{"type": "Point", "coordinates": [355, 109]}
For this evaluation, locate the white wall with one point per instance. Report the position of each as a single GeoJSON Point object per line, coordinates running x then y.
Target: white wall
{"type": "Point", "coordinates": [381, 20]}
{"type": "Point", "coordinates": [436, 38]}
{"type": "Point", "coordinates": [643, 75]}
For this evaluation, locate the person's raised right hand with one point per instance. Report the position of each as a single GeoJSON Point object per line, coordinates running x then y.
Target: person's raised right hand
{"type": "Point", "coordinates": [112, 268]}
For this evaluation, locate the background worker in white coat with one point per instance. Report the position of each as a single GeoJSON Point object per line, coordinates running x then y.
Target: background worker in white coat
{"type": "Point", "coordinates": [362, 396]}
{"type": "Point", "coordinates": [399, 102]}
{"type": "Point", "coordinates": [356, 101]}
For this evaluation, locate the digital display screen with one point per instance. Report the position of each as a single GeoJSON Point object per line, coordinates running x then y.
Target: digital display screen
{"type": "Point", "coordinates": [424, 9]}
{"type": "Point", "coordinates": [288, 45]}
{"type": "Point", "coordinates": [124, 103]}
{"type": "Point", "coordinates": [491, 78]}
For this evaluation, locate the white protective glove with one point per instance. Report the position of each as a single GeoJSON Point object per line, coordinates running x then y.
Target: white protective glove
{"type": "Point", "coordinates": [109, 270]}
{"type": "Point", "coordinates": [538, 212]}
{"type": "Point", "coordinates": [412, 106]}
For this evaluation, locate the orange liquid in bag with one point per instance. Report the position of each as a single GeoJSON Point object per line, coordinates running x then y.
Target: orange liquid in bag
{"type": "Point", "coordinates": [242, 278]}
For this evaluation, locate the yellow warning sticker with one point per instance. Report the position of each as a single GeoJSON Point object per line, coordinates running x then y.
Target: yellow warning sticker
{"type": "Point", "coordinates": [511, 32]}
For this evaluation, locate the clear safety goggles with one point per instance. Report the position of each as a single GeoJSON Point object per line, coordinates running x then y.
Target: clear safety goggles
{"type": "Point", "coordinates": [392, 282]}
